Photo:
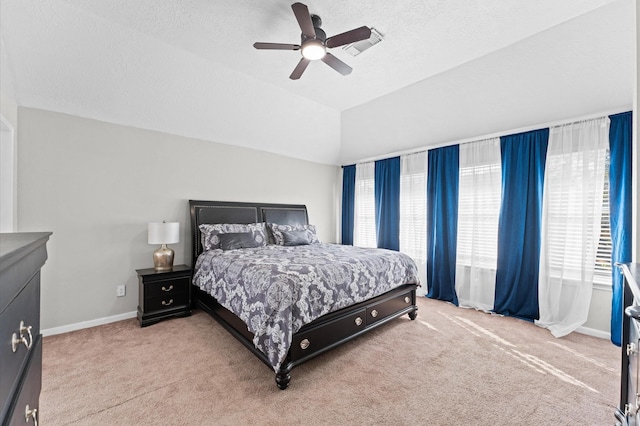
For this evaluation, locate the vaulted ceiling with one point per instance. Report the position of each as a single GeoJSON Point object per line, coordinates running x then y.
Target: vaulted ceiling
{"type": "Point", "coordinates": [189, 67]}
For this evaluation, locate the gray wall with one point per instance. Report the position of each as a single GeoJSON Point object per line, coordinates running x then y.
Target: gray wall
{"type": "Point", "coordinates": [96, 185]}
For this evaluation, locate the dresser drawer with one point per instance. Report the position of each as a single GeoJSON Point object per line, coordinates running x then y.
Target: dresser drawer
{"type": "Point", "coordinates": [28, 392]}
{"type": "Point", "coordinates": [308, 342]}
{"type": "Point", "coordinates": [165, 288]}
{"type": "Point", "coordinates": [383, 309]}
{"type": "Point", "coordinates": [173, 301]}
{"type": "Point", "coordinates": [24, 309]}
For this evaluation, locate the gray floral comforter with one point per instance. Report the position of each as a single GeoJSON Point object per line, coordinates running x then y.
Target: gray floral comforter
{"type": "Point", "coordinates": [276, 289]}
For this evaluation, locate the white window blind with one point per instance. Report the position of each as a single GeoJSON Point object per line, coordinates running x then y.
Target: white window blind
{"type": "Point", "coordinates": [572, 233]}
{"type": "Point", "coordinates": [413, 209]}
{"type": "Point", "coordinates": [364, 222]}
{"type": "Point", "coordinates": [479, 197]}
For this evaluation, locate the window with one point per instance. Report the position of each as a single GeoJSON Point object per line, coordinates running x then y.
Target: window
{"type": "Point", "coordinates": [479, 197]}
{"type": "Point", "coordinates": [576, 207]}
{"type": "Point", "coordinates": [479, 200]}
{"type": "Point", "coordinates": [364, 221]}
{"type": "Point", "coordinates": [413, 209]}
{"type": "Point", "coordinates": [572, 221]}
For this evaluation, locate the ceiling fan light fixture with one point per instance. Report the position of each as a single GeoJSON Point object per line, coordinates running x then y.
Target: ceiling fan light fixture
{"type": "Point", "coordinates": [313, 49]}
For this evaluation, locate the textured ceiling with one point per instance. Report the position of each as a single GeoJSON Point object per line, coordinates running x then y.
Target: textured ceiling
{"type": "Point", "coordinates": [189, 67]}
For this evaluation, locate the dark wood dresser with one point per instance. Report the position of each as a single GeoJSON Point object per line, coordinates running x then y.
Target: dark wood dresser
{"type": "Point", "coordinates": [628, 412]}
{"type": "Point", "coordinates": [21, 257]}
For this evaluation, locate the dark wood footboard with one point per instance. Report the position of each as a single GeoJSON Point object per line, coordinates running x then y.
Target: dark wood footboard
{"type": "Point", "coordinates": [323, 334]}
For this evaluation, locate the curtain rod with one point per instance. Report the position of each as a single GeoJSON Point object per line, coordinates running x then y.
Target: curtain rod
{"type": "Point", "coordinates": [492, 135]}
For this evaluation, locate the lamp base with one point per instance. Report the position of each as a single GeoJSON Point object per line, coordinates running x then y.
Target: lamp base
{"type": "Point", "coordinates": [163, 259]}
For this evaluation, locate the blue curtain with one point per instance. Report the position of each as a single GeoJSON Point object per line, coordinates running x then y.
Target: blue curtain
{"type": "Point", "coordinates": [520, 223]}
{"type": "Point", "coordinates": [348, 201]}
{"type": "Point", "coordinates": [442, 222]}
{"type": "Point", "coordinates": [387, 199]}
{"type": "Point", "coordinates": [620, 151]}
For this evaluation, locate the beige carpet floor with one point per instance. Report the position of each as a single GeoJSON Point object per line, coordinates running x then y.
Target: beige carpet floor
{"type": "Point", "coordinates": [451, 366]}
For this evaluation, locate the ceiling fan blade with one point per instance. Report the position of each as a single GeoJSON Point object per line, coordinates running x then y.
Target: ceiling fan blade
{"type": "Point", "coordinates": [304, 19]}
{"type": "Point", "coordinates": [297, 72]}
{"type": "Point", "coordinates": [276, 46]}
{"type": "Point", "coordinates": [352, 36]}
{"type": "Point", "coordinates": [337, 64]}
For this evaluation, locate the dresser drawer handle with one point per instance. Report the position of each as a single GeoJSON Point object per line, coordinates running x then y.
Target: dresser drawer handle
{"type": "Point", "coordinates": [31, 414]}
{"type": "Point", "coordinates": [358, 321]}
{"type": "Point", "coordinates": [374, 313]}
{"type": "Point", "coordinates": [15, 340]}
{"type": "Point", "coordinates": [167, 289]}
{"type": "Point", "coordinates": [169, 303]}
{"type": "Point", "coordinates": [304, 344]}
{"type": "Point", "coordinates": [407, 300]}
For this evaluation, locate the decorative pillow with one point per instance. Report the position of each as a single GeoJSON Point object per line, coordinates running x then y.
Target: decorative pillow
{"type": "Point", "coordinates": [237, 240]}
{"type": "Point", "coordinates": [211, 239]}
{"type": "Point", "coordinates": [296, 238]}
{"type": "Point", "coordinates": [277, 229]}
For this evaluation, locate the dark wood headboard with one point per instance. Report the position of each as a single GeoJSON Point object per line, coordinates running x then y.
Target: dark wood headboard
{"type": "Point", "coordinates": [232, 212]}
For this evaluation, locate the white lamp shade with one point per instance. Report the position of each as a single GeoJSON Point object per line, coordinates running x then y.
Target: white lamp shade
{"type": "Point", "coordinates": [164, 232]}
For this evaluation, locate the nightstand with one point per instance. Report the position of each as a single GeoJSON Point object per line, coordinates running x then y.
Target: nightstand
{"type": "Point", "coordinates": [163, 294]}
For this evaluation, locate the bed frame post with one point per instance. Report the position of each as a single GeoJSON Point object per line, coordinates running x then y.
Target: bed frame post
{"type": "Point", "coordinates": [283, 378]}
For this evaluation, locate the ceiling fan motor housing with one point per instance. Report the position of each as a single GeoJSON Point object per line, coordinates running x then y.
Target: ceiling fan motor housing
{"type": "Point", "coordinates": [320, 34]}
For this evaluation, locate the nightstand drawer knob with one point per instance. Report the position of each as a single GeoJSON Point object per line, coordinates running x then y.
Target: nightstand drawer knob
{"type": "Point", "coordinates": [374, 313]}
{"type": "Point", "coordinates": [169, 303]}
{"type": "Point", "coordinates": [167, 289]}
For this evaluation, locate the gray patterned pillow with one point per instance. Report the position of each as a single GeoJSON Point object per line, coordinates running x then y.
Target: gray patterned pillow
{"type": "Point", "coordinates": [211, 239]}
{"type": "Point", "coordinates": [276, 231]}
{"type": "Point", "coordinates": [296, 238]}
{"type": "Point", "coordinates": [237, 240]}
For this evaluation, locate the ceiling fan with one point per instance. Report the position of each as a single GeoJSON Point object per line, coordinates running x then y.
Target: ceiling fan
{"type": "Point", "coordinates": [314, 42]}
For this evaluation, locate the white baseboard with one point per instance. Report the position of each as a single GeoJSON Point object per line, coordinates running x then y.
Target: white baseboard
{"type": "Point", "coordinates": [595, 333]}
{"type": "Point", "coordinates": [87, 324]}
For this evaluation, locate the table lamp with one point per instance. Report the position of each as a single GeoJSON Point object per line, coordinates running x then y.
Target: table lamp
{"type": "Point", "coordinates": [163, 233]}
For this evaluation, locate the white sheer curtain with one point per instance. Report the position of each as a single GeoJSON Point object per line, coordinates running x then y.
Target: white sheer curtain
{"type": "Point", "coordinates": [364, 221]}
{"type": "Point", "coordinates": [479, 196]}
{"type": "Point", "coordinates": [413, 211]}
{"type": "Point", "coordinates": [571, 212]}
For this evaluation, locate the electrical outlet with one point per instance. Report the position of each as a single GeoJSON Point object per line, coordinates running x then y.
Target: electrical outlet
{"type": "Point", "coordinates": [121, 291]}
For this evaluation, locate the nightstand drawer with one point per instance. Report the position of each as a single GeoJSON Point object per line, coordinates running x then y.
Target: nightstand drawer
{"type": "Point", "coordinates": [176, 300]}
{"type": "Point", "coordinates": [166, 288]}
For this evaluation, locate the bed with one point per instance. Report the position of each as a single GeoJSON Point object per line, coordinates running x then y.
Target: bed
{"type": "Point", "coordinates": [323, 331]}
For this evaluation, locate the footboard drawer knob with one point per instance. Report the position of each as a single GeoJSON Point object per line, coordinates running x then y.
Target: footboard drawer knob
{"type": "Point", "coordinates": [374, 313]}
{"type": "Point", "coordinates": [407, 299]}
{"type": "Point", "coordinates": [358, 321]}
{"type": "Point", "coordinates": [304, 344]}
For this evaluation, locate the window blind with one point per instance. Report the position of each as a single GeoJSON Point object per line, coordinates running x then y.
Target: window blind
{"type": "Point", "coordinates": [364, 224]}
{"type": "Point", "coordinates": [413, 206]}
{"type": "Point", "coordinates": [568, 237]}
